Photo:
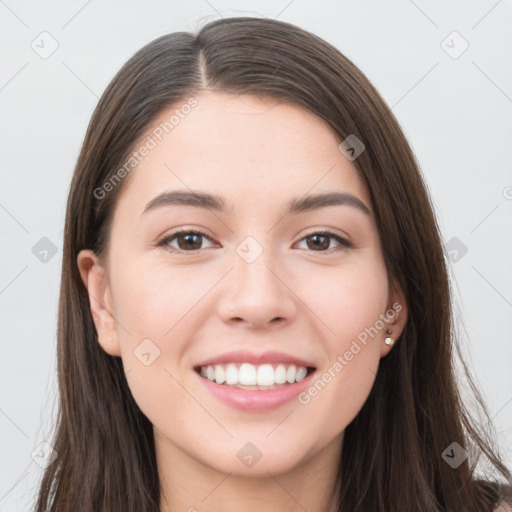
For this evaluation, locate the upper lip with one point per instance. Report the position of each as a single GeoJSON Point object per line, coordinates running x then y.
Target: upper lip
{"type": "Point", "coordinates": [243, 356]}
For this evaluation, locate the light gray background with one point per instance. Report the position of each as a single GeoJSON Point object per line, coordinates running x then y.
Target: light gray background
{"type": "Point", "coordinates": [456, 113]}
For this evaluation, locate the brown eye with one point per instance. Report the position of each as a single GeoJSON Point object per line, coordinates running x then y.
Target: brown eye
{"type": "Point", "coordinates": [320, 242]}
{"type": "Point", "coordinates": [187, 241]}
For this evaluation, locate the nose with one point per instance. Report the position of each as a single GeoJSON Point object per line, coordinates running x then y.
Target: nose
{"type": "Point", "coordinates": [257, 294]}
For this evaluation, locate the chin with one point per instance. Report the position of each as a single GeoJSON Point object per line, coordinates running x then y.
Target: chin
{"type": "Point", "coordinates": [256, 458]}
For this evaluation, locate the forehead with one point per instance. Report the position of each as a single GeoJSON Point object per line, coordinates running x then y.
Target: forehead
{"type": "Point", "coordinates": [245, 147]}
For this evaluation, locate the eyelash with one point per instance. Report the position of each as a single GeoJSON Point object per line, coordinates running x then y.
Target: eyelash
{"type": "Point", "coordinates": [344, 243]}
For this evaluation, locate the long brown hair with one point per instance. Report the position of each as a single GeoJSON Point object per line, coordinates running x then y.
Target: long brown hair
{"type": "Point", "coordinates": [392, 451]}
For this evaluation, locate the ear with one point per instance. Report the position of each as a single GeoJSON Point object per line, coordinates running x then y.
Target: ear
{"type": "Point", "coordinates": [95, 280]}
{"type": "Point", "coordinates": [396, 317]}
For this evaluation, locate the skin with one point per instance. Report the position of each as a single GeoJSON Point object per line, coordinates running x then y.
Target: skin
{"type": "Point", "coordinates": [296, 298]}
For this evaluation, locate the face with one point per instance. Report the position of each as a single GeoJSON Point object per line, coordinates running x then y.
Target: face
{"type": "Point", "coordinates": [279, 286]}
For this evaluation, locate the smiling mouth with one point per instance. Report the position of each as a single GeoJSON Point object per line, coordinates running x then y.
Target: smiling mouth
{"type": "Point", "coordinates": [251, 377]}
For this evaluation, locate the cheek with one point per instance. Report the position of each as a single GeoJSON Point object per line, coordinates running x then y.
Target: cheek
{"type": "Point", "coordinates": [157, 309]}
{"type": "Point", "coordinates": [347, 300]}
{"type": "Point", "coordinates": [350, 307]}
{"type": "Point", "coordinates": [159, 329]}
{"type": "Point", "coordinates": [153, 301]}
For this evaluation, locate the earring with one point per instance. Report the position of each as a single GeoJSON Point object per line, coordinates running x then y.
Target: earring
{"type": "Point", "coordinates": [389, 341]}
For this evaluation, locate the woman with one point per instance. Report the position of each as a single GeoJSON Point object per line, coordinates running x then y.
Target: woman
{"type": "Point", "coordinates": [255, 309]}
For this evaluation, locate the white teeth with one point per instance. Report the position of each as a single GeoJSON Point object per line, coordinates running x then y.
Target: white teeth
{"type": "Point", "coordinates": [220, 374]}
{"type": "Point", "coordinates": [301, 373]}
{"type": "Point", "coordinates": [249, 376]}
{"type": "Point", "coordinates": [290, 373]}
{"type": "Point", "coordinates": [231, 374]}
{"type": "Point", "coordinates": [265, 376]}
{"type": "Point", "coordinates": [280, 374]}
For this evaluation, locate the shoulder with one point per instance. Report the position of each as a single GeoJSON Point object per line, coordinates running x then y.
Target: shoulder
{"type": "Point", "coordinates": [504, 508]}
{"type": "Point", "coordinates": [499, 491]}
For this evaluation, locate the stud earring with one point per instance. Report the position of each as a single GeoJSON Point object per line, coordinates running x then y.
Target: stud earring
{"type": "Point", "coordinates": [388, 340]}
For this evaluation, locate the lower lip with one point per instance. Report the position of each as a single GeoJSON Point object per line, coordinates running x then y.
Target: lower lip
{"type": "Point", "coordinates": [251, 400]}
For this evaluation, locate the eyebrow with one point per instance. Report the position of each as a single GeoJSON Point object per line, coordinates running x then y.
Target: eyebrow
{"type": "Point", "coordinates": [217, 203]}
